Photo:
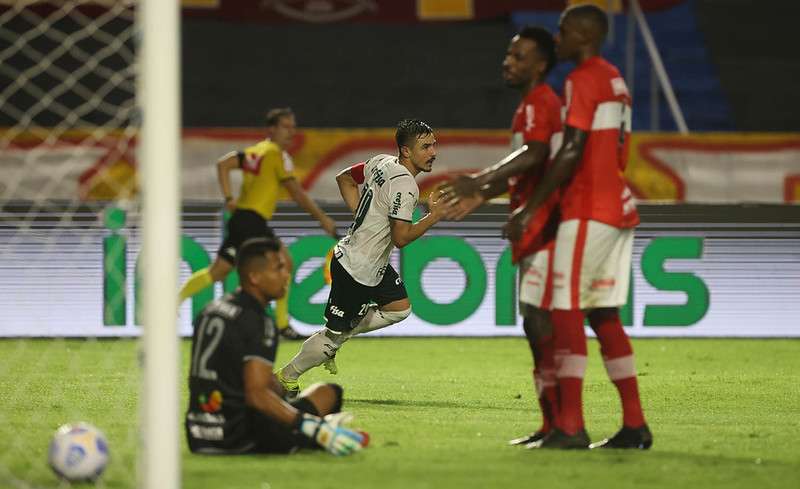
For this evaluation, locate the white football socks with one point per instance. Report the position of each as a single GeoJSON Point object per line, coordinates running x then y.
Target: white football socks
{"type": "Point", "coordinates": [315, 351]}
{"type": "Point", "coordinates": [323, 345]}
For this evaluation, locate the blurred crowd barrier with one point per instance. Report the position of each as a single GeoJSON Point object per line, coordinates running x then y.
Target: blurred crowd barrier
{"type": "Point", "coordinates": [701, 168]}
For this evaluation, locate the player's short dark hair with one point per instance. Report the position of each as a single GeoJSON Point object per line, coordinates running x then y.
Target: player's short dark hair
{"type": "Point", "coordinates": [274, 115]}
{"type": "Point", "coordinates": [253, 251]}
{"type": "Point", "coordinates": [544, 44]}
{"type": "Point", "coordinates": [409, 130]}
{"type": "Point", "coordinates": [591, 15]}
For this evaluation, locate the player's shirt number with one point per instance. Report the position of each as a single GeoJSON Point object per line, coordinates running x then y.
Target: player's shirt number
{"type": "Point", "coordinates": [211, 328]}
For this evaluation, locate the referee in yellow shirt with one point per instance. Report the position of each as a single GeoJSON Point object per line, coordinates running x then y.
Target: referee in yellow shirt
{"type": "Point", "coordinates": [266, 166]}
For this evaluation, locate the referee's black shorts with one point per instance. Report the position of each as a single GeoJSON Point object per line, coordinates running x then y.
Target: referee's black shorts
{"type": "Point", "coordinates": [243, 225]}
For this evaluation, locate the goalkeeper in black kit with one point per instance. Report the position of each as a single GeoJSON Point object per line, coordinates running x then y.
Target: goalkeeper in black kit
{"type": "Point", "coordinates": [235, 403]}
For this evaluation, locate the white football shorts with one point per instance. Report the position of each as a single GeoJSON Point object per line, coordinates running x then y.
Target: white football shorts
{"type": "Point", "coordinates": [591, 265]}
{"type": "Point", "coordinates": [536, 279]}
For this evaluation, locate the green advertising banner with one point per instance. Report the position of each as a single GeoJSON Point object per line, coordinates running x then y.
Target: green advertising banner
{"type": "Point", "coordinates": [695, 272]}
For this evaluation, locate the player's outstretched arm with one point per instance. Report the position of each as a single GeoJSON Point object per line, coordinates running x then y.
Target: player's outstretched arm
{"type": "Point", "coordinates": [563, 167]}
{"type": "Point", "coordinates": [440, 206]}
{"type": "Point", "coordinates": [348, 180]}
{"type": "Point", "coordinates": [329, 432]}
{"type": "Point", "coordinates": [225, 165]}
{"type": "Point", "coordinates": [530, 155]}
{"type": "Point", "coordinates": [465, 205]}
{"type": "Point", "coordinates": [300, 196]}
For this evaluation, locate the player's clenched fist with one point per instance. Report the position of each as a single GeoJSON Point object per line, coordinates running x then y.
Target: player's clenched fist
{"type": "Point", "coordinates": [331, 433]}
{"type": "Point", "coordinates": [516, 224]}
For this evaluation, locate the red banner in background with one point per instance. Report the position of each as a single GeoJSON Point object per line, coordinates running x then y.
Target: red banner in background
{"type": "Point", "coordinates": [699, 168]}
{"type": "Point", "coordinates": [342, 11]}
{"type": "Point", "coordinates": [331, 11]}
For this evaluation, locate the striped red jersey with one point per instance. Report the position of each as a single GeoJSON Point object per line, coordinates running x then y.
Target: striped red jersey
{"type": "Point", "coordinates": [538, 118]}
{"type": "Point", "coordinates": [597, 101]}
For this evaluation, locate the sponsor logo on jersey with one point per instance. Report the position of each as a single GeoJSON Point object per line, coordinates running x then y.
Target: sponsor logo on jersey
{"type": "Point", "coordinates": [223, 308]}
{"type": "Point", "coordinates": [336, 311]}
{"type": "Point", "coordinates": [398, 199]}
{"type": "Point", "coordinates": [603, 283]}
{"type": "Point", "coordinates": [211, 403]}
{"type": "Point", "coordinates": [210, 433]}
{"type": "Point", "coordinates": [377, 177]}
{"type": "Point", "coordinates": [206, 418]}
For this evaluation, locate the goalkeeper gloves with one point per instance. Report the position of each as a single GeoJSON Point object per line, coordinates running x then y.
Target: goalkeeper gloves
{"type": "Point", "coordinates": [331, 434]}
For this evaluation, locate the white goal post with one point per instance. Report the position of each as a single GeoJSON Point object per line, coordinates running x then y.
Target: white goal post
{"type": "Point", "coordinates": [89, 169]}
{"type": "Point", "coordinates": [159, 91]}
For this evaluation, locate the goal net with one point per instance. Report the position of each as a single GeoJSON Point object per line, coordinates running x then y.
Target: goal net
{"type": "Point", "coordinates": [70, 231]}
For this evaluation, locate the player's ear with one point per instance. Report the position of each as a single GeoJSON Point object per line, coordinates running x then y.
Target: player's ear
{"type": "Point", "coordinates": [252, 276]}
{"type": "Point", "coordinates": [541, 67]}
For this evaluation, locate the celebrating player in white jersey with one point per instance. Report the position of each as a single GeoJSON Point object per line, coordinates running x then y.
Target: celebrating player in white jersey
{"type": "Point", "coordinates": [366, 292]}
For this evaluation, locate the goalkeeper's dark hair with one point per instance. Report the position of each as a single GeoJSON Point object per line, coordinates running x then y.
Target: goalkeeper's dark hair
{"type": "Point", "coordinates": [592, 18]}
{"type": "Point", "coordinates": [409, 130]}
{"type": "Point", "coordinates": [544, 44]}
{"type": "Point", "coordinates": [253, 253]}
{"type": "Point", "coordinates": [274, 115]}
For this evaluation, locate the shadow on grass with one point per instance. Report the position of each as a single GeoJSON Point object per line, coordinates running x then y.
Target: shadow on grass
{"type": "Point", "coordinates": [654, 455]}
{"type": "Point", "coordinates": [434, 404]}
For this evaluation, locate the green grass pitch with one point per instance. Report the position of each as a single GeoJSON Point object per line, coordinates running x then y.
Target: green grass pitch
{"type": "Point", "coordinates": [724, 413]}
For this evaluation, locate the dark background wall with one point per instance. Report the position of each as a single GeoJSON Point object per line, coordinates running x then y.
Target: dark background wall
{"type": "Point", "coordinates": [754, 45]}
{"type": "Point", "coordinates": [733, 63]}
{"type": "Point", "coordinates": [353, 75]}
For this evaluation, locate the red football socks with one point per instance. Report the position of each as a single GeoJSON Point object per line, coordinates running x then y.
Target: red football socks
{"type": "Point", "coordinates": [619, 362]}
{"type": "Point", "coordinates": [544, 376]}
{"type": "Point", "coordinates": [570, 362]}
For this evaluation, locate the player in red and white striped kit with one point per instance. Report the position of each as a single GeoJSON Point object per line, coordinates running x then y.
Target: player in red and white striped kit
{"type": "Point", "coordinates": [591, 267]}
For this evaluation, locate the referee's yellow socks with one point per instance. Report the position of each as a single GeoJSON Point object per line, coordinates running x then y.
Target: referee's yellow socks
{"type": "Point", "coordinates": [282, 310]}
{"type": "Point", "coordinates": [197, 282]}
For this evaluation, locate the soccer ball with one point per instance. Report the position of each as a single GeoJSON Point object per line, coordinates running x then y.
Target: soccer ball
{"type": "Point", "coordinates": [78, 452]}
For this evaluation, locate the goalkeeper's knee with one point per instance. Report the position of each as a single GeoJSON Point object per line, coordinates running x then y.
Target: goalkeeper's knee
{"type": "Point", "coordinates": [338, 393]}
